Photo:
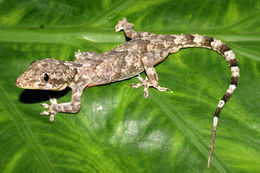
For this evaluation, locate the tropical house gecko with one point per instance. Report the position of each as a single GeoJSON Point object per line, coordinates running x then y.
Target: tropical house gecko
{"type": "Point", "coordinates": [141, 53]}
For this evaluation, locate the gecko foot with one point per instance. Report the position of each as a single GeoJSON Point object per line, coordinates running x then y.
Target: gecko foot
{"type": "Point", "coordinates": [147, 83]}
{"type": "Point", "coordinates": [123, 24]}
{"type": "Point", "coordinates": [52, 112]}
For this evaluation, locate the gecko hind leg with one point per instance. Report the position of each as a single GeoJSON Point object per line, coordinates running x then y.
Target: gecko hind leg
{"type": "Point", "coordinates": [147, 83]}
{"type": "Point", "coordinates": [151, 79]}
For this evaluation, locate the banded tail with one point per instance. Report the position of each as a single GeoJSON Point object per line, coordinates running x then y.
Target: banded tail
{"type": "Point", "coordinates": [230, 57]}
{"type": "Point", "coordinates": [183, 41]}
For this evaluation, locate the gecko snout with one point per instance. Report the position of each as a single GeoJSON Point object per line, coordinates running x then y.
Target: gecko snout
{"type": "Point", "coordinates": [18, 82]}
{"type": "Point", "coordinates": [23, 82]}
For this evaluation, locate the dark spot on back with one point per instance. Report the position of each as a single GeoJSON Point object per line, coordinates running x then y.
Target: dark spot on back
{"type": "Point", "coordinates": [189, 39]}
{"type": "Point", "coordinates": [166, 37]}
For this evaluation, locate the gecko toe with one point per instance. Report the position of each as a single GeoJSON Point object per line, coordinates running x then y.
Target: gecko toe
{"type": "Point", "coordinates": [45, 113]}
{"type": "Point", "coordinates": [45, 105]}
{"type": "Point", "coordinates": [52, 118]}
{"type": "Point", "coordinates": [136, 85]}
{"type": "Point", "coordinates": [139, 77]}
{"type": "Point", "coordinates": [163, 88]}
{"type": "Point", "coordinates": [146, 93]}
{"type": "Point", "coordinates": [53, 101]}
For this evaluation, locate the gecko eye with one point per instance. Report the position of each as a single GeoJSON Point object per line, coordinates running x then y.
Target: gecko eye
{"type": "Point", "coordinates": [44, 77]}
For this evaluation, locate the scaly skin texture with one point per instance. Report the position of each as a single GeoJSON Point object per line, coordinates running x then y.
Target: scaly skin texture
{"type": "Point", "coordinates": [141, 53]}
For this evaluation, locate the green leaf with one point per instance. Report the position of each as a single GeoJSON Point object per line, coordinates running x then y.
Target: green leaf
{"type": "Point", "coordinates": [117, 130]}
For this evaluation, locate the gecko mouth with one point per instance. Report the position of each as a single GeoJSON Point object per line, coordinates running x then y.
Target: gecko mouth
{"type": "Point", "coordinates": [20, 84]}
{"type": "Point", "coordinates": [29, 84]}
{"type": "Point", "coordinates": [25, 83]}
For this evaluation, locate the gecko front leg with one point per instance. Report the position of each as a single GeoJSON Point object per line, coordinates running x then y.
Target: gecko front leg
{"type": "Point", "coordinates": [70, 107]}
{"type": "Point", "coordinates": [151, 79]}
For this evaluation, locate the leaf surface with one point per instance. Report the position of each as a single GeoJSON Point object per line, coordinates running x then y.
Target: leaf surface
{"type": "Point", "coordinates": [117, 130]}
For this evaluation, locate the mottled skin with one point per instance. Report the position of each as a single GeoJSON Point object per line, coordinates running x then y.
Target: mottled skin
{"type": "Point", "coordinates": [141, 53]}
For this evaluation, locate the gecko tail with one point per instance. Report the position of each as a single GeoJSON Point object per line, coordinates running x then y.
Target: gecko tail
{"type": "Point", "coordinates": [215, 124]}
{"type": "Point", "coordinates": [230, 57]}
{"type": "Point", "coordinates": [188, 40]}
{"type": "Point", "coordinates": [221, 104]}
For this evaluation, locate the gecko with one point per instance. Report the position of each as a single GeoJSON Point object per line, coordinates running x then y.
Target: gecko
{"type": "Point", "coordinates": [140, 54]}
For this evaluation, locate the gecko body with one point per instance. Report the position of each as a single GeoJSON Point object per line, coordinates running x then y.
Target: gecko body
{"type": "Point", "coordinates": [141, 53]}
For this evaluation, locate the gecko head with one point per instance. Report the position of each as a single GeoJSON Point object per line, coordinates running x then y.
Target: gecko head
{"type": "Point", "coordinates": [123, 24]}
{"type": "Point", "coordinates": [46, 74]}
